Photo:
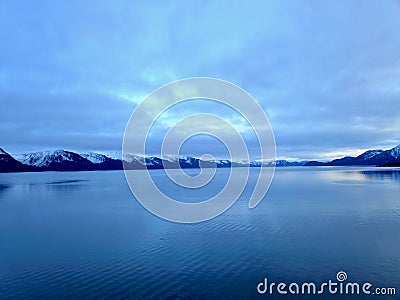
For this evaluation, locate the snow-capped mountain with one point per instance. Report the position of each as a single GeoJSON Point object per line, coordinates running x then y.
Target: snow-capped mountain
{"type": "Point", "coordinates": [369, 154]}
{"type": "Point", "coordinates": [9, 164]}
{"type": "Point", "coordinates": [395, 152]}
{"type": "Point", "coordinates": [42, 158]}
{"type": "Point", "coordinates": [58, 160]}
{"type": "Point", "coordinates": [102, 161]}
{"type": "Point", "coordinates": [62, 160]}
{"type": "Point", "coordinates": [117, 155]}
{"type": "Point", "coordinates": [285, 163]}
{"type": "Point", "coordinates": [130, 158]}
{"type": "Point", "coordinates": [95, 158]}
{"type": "Point", "coordinates": [368, 158]}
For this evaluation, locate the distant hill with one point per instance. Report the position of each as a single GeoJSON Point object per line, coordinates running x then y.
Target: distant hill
{"type": "Point", "coordinates": [62, 160]}
{"type": "Point", "coordinates": [59, 160]}
{"type": "Point", "coordinates": [9, 164]}
{"type": "Point", "coordinates": [369, 158]}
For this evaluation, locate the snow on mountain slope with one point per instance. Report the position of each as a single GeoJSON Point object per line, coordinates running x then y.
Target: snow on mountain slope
{"type": "Point", "coordinates": [395, 152]}
{"type": "Point", "coordinates": [95, 158]}
{"type": "Point", "coordinates": [9, 164]}
{"type": "Point", "coordinates": [170, 158]}
{"type": "Point", "coordinates": [61, 160]}
{"type": "Point", "coordinates": [113, 154]}
{"type": "Point", "coordinates": [130, 158]}
{"type": "Point", "coordinates": [44, 158]}
{"type": "Point", "coordinates": [369, 154]}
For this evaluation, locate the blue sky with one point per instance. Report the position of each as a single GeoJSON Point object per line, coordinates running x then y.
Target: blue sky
{"type": "Point", "coordinates": [327, 73]}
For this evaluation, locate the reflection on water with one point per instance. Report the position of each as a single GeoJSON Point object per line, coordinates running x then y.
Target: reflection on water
{"type": "Point", "coordinates": [101, 243]}
{"type": "Point", "coordinates": [66, 181]}
{"type": "Point", "coordinates": [353, 175]}
{"type": "Point", "coordinates": [382, 174]}
{"type": "Point", "coordinates": [68, 185]}
{"type": "Point", "coordinates": [4, 188]}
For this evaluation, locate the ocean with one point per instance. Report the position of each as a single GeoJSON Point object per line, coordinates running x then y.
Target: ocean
{"type": "Point", "coordinates": [84, 235]}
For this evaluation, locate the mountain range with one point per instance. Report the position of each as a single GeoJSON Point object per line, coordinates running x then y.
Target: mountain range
{"type": "Point", "coordinates": [389, 157]}
{"type": "Point", "coordinates": [62, 160]}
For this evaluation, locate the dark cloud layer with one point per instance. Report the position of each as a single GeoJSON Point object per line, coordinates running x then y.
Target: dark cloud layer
{"type": "Point", "coordinates": [326, 73]}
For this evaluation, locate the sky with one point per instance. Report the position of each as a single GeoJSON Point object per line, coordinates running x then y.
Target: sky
{"type": "Point", "coordinates": [326, 73]}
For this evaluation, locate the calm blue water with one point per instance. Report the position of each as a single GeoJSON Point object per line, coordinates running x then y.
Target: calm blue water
{"type": "Point", "coordinates": [83, 235]}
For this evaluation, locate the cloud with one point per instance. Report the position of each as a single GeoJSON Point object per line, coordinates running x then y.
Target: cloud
{"type": "Point", "coordinates": [327, 73]}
